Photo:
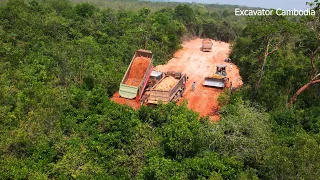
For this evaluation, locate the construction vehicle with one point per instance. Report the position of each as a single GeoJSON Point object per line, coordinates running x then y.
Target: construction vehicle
{"type": "Point", "coordinates": [141, 83]}
{"type": "Point", "coordinates": [137, 75]}
{"type": "Point", "coordinates": [219, 79]}
{"type": "Point", "coordinates": [206, 45]}
{"type": "Point", "coordinates": [170, 88]}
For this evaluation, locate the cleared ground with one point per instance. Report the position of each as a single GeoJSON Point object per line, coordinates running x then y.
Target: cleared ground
{"type": "Point", "coordinates": [197, 65]}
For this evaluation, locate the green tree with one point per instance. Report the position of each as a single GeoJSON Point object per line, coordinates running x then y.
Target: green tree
{"type": "Point", "coordinates": [298, 160]}
{"type": "Point", "coordinates": [244, 132]}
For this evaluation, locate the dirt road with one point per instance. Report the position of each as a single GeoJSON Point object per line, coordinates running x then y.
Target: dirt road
{"type": "Point", "coordinates": [197, 65]}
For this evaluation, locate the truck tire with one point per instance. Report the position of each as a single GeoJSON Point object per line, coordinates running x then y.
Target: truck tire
{"type": "Point", "coordinates": [143, 100]}
{"type": "Point", "coordinates": [179, 95]}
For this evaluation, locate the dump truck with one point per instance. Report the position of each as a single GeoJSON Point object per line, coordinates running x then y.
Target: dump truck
{"type": "Point", "coordinates": [219, 79]}
{"type": "Point", "coordinates": [137, 75]}
{"type": "Point", "coordinates": [206, 45]}
{"type": "Point", "coordinates": [170, 88]}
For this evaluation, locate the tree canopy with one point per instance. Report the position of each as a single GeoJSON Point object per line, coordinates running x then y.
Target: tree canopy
{"type": "Point", "coordinates": [60, 62]}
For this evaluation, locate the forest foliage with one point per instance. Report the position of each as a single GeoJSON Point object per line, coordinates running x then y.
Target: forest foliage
{"type": "Point", "coordinates": [60, 62]}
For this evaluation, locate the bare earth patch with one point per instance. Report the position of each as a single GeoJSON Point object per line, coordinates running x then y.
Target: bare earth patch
{"type": "Point", "coordinates": [197, 65]}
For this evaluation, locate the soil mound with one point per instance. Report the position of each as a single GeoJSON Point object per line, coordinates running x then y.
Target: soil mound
{"type": "Point", "coordinates": [137, 71]}
{"type": "Point", "coordinates": [166, 84]}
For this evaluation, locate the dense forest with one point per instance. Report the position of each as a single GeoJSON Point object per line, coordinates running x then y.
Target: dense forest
{"type": "Point", "coordinates": [61, 60]}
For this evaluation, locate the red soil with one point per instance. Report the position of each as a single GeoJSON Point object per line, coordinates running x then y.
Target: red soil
{"type": "Point", "coordinates": [206, 41]}
{"type": "Point", "coordinates": [137, 71]}
{"type": "Point", "coordinates": [130, 102]}
{"type": "Point", "coordinates": [197, 65]}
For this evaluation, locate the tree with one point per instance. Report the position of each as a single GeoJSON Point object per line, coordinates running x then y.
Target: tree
{"type": "Point", "coordinates": [298, 160]}
{"type": "Point", "coordinates": [275, 33]}
{"type": "Point", "coordinates": [84, 9]}
{"type": "Point", "coordinates": [244, 132]}
{"type": "Point", "coordinates": [314, 23]}
{"type": "Point", "coordinates": [270, 58]}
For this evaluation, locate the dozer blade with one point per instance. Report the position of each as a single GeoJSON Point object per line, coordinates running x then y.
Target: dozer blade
{"type": "Point", "coordinates": [214, 82]}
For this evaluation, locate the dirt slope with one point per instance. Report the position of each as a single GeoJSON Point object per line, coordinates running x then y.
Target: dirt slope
{"type": "Point", "coordinates": [197, 65]}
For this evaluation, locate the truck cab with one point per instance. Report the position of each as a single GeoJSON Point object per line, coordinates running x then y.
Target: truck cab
{"type": "Point", "coordinates": [155, 77]}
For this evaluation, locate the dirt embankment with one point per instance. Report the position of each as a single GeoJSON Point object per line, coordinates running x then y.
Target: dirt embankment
{"type": "Point", "coordinates": [197, 65]}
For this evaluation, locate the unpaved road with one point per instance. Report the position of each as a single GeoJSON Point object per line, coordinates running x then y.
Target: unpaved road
{"type": "Point", "coordinates": [197, 65]}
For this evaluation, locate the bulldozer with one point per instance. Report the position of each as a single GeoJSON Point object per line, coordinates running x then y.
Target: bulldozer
{"type": "Point", "coordinates": [219, 78]}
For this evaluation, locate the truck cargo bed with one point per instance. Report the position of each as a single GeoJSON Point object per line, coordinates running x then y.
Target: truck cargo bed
{"type": "Point", "coordinates": [137, 74]}
{"type": "Point", "coordinates": [206, 45]}
{"type": "Point", "coordinates": [167, 89]}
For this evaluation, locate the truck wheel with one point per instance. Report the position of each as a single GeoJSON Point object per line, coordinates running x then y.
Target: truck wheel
{"type": "Point", "coordinates": [142, 102]}
{"type": "Point", "coordinates": [179, 95]}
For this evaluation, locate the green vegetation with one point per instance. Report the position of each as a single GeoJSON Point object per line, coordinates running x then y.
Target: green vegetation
{"type": "Point", "coordinates": [279, 60]}
{"type": "Point", "coordinates": [213, 21]}
{"type": "Point", "coordinates": [60, 62]}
